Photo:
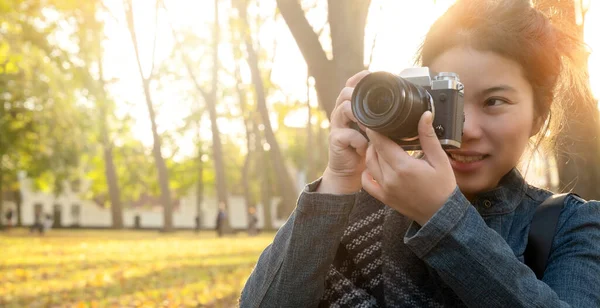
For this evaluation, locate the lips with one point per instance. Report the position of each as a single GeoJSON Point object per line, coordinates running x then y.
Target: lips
{"type": "Point", "coordinates": [466, 161]}
{"type": "Point", "coordinates": [466, 158]}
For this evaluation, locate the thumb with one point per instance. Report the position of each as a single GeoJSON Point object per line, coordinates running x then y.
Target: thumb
{"type": "Point", "coordinates": [429, 142]}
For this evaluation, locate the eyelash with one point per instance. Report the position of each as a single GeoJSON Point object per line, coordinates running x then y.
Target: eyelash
{"type": "Point", "coordinates": [492, 99]}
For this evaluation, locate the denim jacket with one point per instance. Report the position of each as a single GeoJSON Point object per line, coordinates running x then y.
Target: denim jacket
{"type": "Point", "coordinates": [472, 251]}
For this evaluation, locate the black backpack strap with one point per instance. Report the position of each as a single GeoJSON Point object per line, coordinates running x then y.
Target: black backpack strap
{"type": "Point", "coordinates": [541, 233]}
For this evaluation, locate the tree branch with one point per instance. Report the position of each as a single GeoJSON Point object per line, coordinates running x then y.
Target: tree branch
{"type": "Point", "coordinates": [372, 50]}
{"type": "Point", "coordinates": [130, 23]}
{"type": "Point", "coordinates": [303, 33]}
{"type": "Point", "coordinates": [155, 35]}
{"type": "Point", "coordinates": [186, 61]}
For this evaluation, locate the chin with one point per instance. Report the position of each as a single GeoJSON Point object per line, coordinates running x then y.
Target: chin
{"type": "Point", "coordinates": [472, 185]}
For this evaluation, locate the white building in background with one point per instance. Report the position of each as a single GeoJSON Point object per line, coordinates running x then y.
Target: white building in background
{"type": "Point", "coordinates": [68, 209]}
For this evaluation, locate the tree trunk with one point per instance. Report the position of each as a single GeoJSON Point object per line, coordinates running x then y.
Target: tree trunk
{"type": "Point", "coordinates": [200, 187]}
{"type": "Point", "coordinates": [245, 180]}
{"type": "Point", "coordinates": [163, 176]}
{"type": "Point", "coordinates": [347, 20]}
{"type": "Point", "coordinates": [210, 99]}
{"type": "Point", "coordinates": [265, 186]}
{"type": "Point", "coordinates": [116, 208]}
{"type": "Point", "coordinates": [18, 203]}
{"type": "Point", "coordinates": [211, 103]}
{"type": "Point", "coordinates": [322, 150]}
{"type": "Point", "coordinates": [578, 145]}
{"type": "Point", "coordinates": [1, 198]}
{"type": "Point", "coordinates": [249, 133]}
{"type": "Point", "coordinates": [285, 181]}
{"type": "Point", "coordinates": [309, 137]}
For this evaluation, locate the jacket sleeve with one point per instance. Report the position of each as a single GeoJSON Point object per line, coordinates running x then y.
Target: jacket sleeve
{"type": "Point", "coordinates": [457, 236]}
{"type": "Point", "coordinates": [291, 271]}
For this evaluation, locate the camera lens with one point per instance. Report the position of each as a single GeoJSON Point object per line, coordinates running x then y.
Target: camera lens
{"type": "Point", "coordinates": [390, 105]}
{"type": "Point", "coordinates": [378, 100]}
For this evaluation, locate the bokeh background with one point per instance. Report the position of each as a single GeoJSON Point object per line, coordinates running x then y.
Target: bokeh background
{"type": "Point", "coordinates": [149, 150]}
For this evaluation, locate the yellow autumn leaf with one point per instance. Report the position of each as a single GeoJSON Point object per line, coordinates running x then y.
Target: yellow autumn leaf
{"type": "Point", "coordinates": [81, 305]}
{"type": "Point", "coordinates": [125, 268]}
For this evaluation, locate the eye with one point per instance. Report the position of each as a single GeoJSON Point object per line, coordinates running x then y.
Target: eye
{"type": "Point", "coordinates": [494, 101]}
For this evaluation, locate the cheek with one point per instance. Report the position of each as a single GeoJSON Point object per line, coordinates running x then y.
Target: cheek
{"type": "Point", "coordinates": [510, 134]}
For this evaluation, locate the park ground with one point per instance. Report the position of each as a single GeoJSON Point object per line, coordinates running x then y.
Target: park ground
{"type": "Point", "coordinates": [102, 268]}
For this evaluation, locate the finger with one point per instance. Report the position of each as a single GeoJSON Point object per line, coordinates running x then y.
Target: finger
{"type": "Point", "coordinates": [353, 81]}
{"type": "Point", "coordinates": [373, 165]}
{"type": "Point", "coordinates": [387, 149]}
{"type": "Point", "coordinates": [345, 95]}
{"type": "Point", "coordinates": [429, 142]}
{"type": "Point", "coordinates": [347, 137]}
{"type": "Point", "coordinates": [371, 186]}
{"type": "Point", "coordinates": [342, 116]}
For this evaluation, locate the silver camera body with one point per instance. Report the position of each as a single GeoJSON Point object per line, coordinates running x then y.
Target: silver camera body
{"type": "Point", "coordinates": [393, 104]}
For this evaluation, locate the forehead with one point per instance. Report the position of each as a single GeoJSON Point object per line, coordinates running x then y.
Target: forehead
{"type": "Point", "coordinates": [481, 69]}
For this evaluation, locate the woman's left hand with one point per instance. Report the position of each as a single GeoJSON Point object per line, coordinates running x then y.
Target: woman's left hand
{"type": "Point", "coordinates": [417, 188]}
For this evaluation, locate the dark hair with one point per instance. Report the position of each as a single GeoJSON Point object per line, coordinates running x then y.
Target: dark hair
{"type": "Point", "coordinates": [538, 38]}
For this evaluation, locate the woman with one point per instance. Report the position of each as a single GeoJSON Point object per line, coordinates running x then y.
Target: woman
{"type": "Point", "coordinates": [382, 228]}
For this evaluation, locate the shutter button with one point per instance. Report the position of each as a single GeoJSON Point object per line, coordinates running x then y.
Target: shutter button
{"type": "Point", "coordinates": [487, 203]}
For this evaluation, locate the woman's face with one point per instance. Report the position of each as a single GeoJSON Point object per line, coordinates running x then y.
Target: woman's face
{"type": "Point", "coordinates": [499, 116]}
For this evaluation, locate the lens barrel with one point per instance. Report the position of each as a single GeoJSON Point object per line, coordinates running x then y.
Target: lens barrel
{"type": "Point", "coordinates": [390, 105]}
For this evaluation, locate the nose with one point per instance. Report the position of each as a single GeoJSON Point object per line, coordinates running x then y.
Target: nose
{"type": "Point", "coordinates": [472, 129]}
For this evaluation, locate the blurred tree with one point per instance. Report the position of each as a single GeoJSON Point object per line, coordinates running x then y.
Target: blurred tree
{"type": "Point", "coordinates": [211, 101]}
{"type": "Point", "coordinates": [91, 52]}
{"type": "Point", "coordinates": [200, 181]}
{"type": "Point", "coordinates": [161, 167]}
{"type": "Point", "coordinates": [347, 20]}
{"type": "Point", "coordinates": [104, 104]}
{"type": "Point", "coordinates": [266, 181]}
{"type": "Point", "coordinates": [250, 136]}
{"type": "Point", "coordinates": [43, 119]}
{"type": "Point", "coordinates": [309, 166]}
{"type": "Point", "coordinates": [284, 179]}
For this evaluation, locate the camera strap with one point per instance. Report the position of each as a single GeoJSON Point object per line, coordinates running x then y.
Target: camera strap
{"type": "Point", "coordinates": [541, 233]}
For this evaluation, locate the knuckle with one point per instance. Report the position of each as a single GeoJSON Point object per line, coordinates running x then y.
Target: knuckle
{"type": "Point", "coordinates": [335, 111]}
{"type": "Point", "coordinates": [332, 136]}
{"type": "Point", "coordinates": [345, 106]}
{"type": "Point", "coordinates": [356, 78]}
{"type": "Point", "coordinates": [347, 93]}
{"type": "Point", "coordinates": [350, 81]}
{"type": "Point", "coordinates": [370, 153]}
{"type": "Point", "coordinates": [335, 137]}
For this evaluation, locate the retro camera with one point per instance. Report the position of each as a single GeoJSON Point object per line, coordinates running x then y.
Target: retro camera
{"type": "Point", "coordinates": [393, 104]}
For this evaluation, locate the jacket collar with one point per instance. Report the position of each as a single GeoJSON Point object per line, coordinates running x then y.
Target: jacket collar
{"type": "Point", "coordinates": [504, 198]}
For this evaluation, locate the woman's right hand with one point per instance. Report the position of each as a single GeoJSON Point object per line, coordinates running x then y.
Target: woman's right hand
{"type": "Point", "coordinates": [347, 146]}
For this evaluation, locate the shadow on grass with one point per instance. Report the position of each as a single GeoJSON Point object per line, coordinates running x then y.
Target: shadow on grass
{"type": "Point", "coordinates": [162, 279]}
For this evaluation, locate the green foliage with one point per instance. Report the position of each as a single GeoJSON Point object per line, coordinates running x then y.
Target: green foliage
{"type": "Point", "coordinates": [42, 121]}
{"type": "Point", "coordinates": [54, 106]}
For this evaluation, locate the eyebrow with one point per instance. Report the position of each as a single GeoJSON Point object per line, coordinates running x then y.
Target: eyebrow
{"type": "Point", "coordinates": [498, 89]}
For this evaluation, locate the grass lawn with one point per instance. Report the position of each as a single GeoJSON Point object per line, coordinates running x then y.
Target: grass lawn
{"type": "Point", "coordinates": [67, 268]}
